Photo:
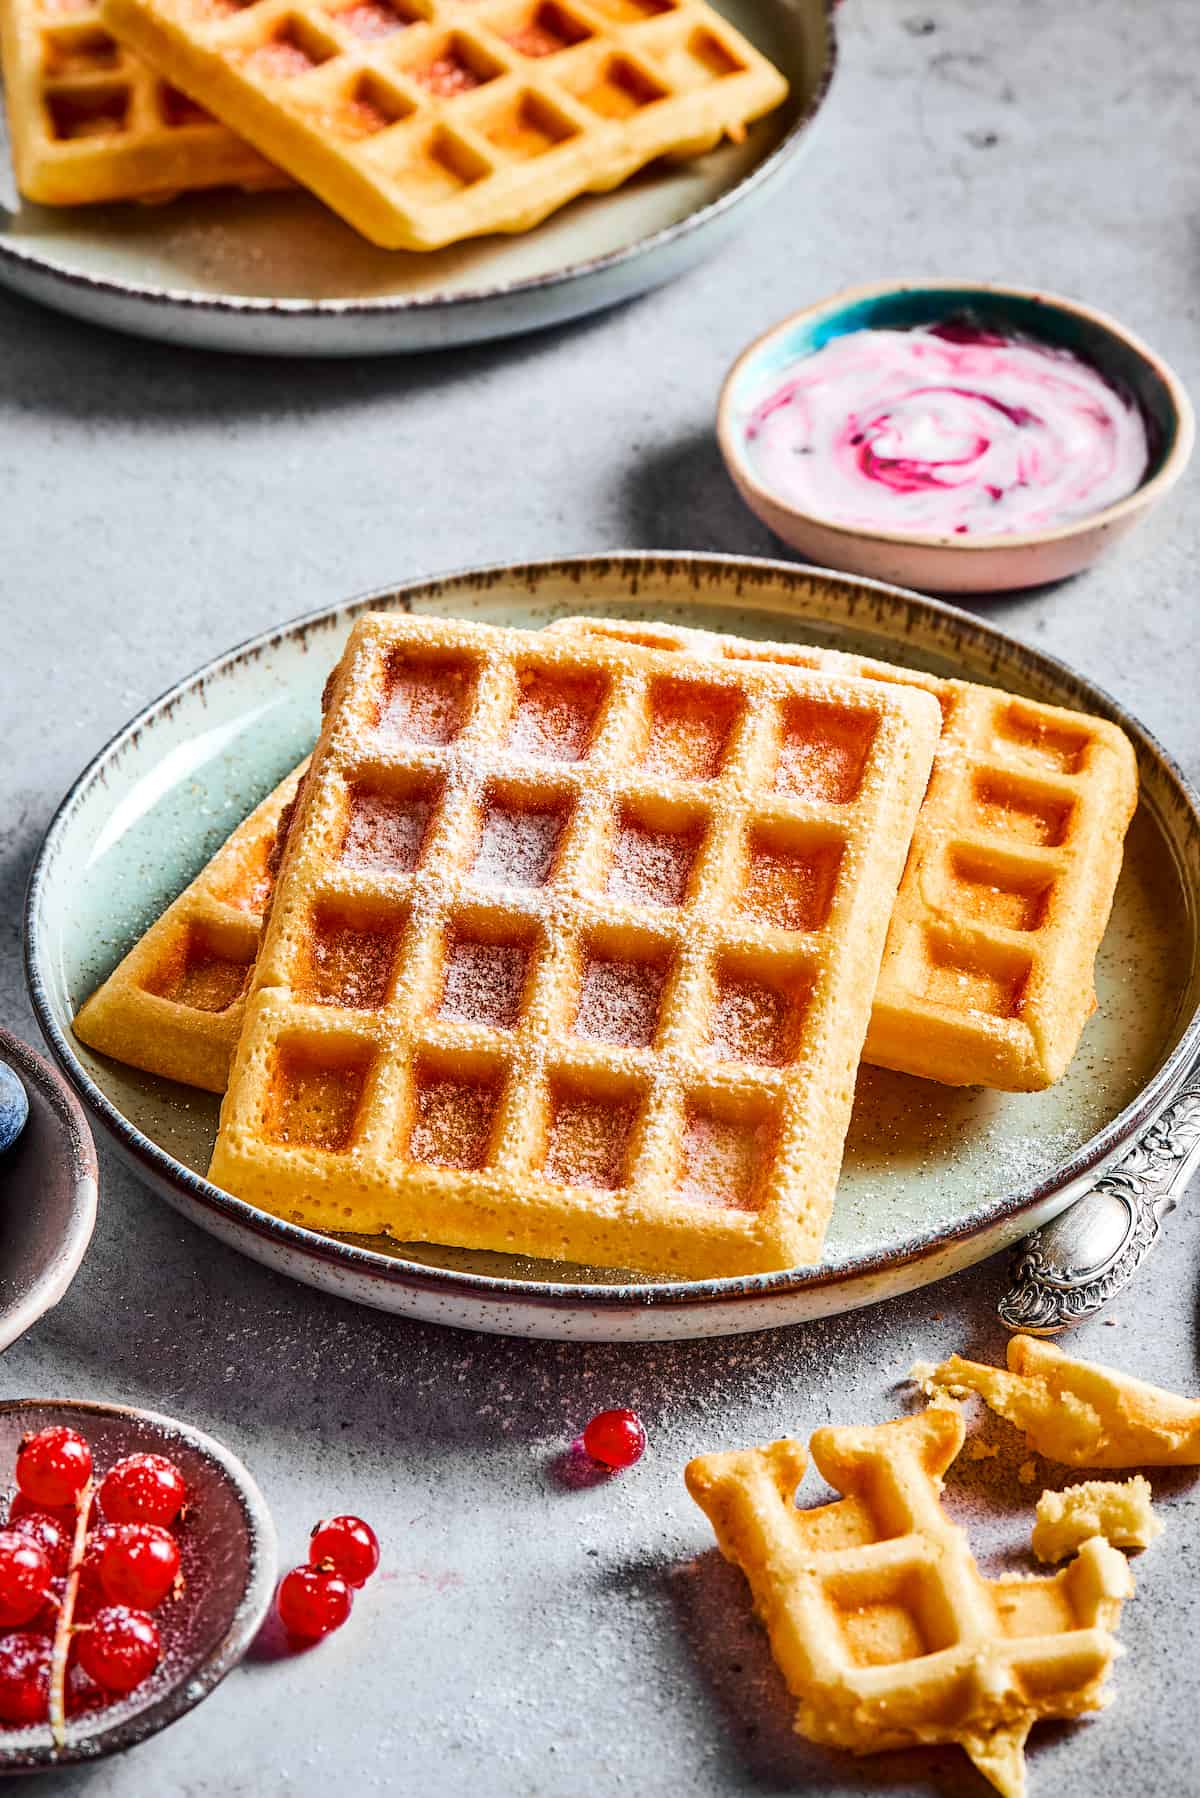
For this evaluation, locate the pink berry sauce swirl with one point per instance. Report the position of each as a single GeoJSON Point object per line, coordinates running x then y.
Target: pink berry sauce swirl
{"type": "Point", "coordinates": [947, 431]}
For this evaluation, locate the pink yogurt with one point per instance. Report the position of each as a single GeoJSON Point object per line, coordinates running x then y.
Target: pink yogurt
{"type": "Point", "coordinates": [946, 431]}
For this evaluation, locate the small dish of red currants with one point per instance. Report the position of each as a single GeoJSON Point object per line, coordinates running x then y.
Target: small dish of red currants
{"type": "Point", "coordinates": [137, 1562]}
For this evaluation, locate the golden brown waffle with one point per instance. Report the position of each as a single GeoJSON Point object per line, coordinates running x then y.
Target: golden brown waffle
{"type": "Point", "coordinates": [423, 122]}
{"type": "Point", "coordinates": [174, 1005]}
{"type": "Point", "coordinates": [987, 978]}
{"type": "Point", "coordinates": [89, 121]}
{"type": "Point", "coordinates": [1080, 1413]}
{"type": "Point", "coordinates": [553, 968]}
{"type": "Point", "coordinates": [881, 1623]}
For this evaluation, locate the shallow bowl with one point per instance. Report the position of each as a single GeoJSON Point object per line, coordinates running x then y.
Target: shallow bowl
{"type": "Point", "coordinates": [952, 564]}
{"type": "Point", "coordinates": [47, 1194]}
{"type": "Point", "coordinates": [227, 1543]}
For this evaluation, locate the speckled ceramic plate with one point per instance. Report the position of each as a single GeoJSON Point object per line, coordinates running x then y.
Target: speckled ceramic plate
{"type": "Point", "coordinates": [934, 1177]}
{"type": "Point", "coordinates": [280, 274]}
{"type": "Point", "coordinates": [227, 1549]}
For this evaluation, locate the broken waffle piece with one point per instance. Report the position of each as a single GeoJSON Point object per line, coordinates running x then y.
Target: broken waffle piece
{"type": "Point", "coordinates": [423, 122]}
{"type": "Point", "coordinates": [987, 978]}
{"type": "Point", "coordinates": [174, 1004]}
{"type": "Point", "coordinates": [882, 1625]}
{"type": "Point", "coordinates": [1121, 1512]}
{"type": "Point", "coordinates": [600, 1013]}
{"type": "Point", "coordinates": [1079, 1413]}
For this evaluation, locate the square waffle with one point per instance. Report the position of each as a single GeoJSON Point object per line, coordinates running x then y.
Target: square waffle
{"type": "Point", "coordinates": [423, 122]}
{"type": "Point", "coordinates": [89, 121]}
{"type": "Point", "coordinates": [174, 1005]}
{"type": "Point", "coordinates": [553, 968]}
{"type": "Point", "coordinates": [987, 978]}
{"type": "Point", "coordinates": [881, 1623]}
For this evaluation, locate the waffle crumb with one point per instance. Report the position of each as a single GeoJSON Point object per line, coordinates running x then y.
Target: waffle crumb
{"type": "Point", "coordinates": [1121, 1512]}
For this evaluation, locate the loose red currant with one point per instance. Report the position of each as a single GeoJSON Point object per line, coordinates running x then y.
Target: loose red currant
{"type": "Point", "coordinates": [615, 1438]}
{"type": "Point", "coordinates": [139, 1563]}
{"type": "Point", "coordinates": [346, 1545]}
{"type": "Point", "coordinates": [25, 1577]}
{"type": "Point", "coordinates": [313, 1603]}
{"type": "Point", "coordinates": [119, 1649]}
{"type": "Point", "coordinates": [54, 1466]}
{"type": "Point", "coordinates": [143, 1489]}
{"type": "Point", "coordinates": [45, 1531]}
{"type": "Point", "coordinates": [24, 1678]}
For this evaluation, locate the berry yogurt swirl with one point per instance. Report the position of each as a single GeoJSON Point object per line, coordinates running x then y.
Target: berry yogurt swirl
{"type": "Point", "coordinates": [948, 431]}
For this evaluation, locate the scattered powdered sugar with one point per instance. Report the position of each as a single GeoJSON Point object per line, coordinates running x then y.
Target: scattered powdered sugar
{"type": "Point", "coordinates": [651, 867]}
{"type": "Point", "coordinates": [516, 848]}
{"type": "Point", "coordinates": [618, 1002]}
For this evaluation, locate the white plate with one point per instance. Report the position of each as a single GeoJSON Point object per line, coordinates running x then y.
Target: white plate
{"type": "Point", "coordinates": [279, 274]}
{"type": "Point", "coordinates": [934, 1177]}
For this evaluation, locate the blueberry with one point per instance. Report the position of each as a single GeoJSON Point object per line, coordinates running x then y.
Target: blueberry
{"type": "Point", "coordinates": [14, 1107]}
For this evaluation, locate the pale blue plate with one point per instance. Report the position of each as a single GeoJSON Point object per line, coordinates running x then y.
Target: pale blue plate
{"type": "Point", "coordinates": [934, 1178]}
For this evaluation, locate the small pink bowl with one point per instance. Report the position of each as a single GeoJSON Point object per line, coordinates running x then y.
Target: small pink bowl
{"type": "Point", "coordinates": [976, 564]}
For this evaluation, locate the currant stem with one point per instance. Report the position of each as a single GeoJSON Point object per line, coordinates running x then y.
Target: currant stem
{"type": "Point", "coordinates": [66, 1616]}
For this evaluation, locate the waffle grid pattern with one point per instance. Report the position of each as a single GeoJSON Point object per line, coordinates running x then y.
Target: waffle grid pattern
{"type": "Point", "coordinates": [880, 1621]}
{"type": "Point", "coordinates": [427, 121]}
{"type": "Point", "coordinates": [987, 978]}
{"type": "Point", "coordinates": [89, 121]}
{"type": "Point", "coordinates": [552, 969]}
{"type": "Point", "coordinates": [174, 1005]}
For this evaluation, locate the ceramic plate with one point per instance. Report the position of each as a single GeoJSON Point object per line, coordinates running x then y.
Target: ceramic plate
{"type": "Point", "coordinates": [47, 1194]}
{"type": "Point", "coordinates": [227, 1546]}
{"type": "Point", "coordinates": [280, 274]}
{"type": "Point", "coordinates": [934, 1177]}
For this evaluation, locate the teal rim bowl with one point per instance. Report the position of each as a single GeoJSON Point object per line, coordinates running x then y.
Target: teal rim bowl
{"type": "Point", "coordinates": [957, 564]}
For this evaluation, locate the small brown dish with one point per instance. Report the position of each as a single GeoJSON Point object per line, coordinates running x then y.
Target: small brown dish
{"type": "Point", "coordinates": [47, 1194]}
{"type": "Point", "coordinates": [227, 1544]}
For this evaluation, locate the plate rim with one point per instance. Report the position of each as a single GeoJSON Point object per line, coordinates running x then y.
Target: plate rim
{"type": "Point", "coordinates": [250, 306]}
{"type": "Point", "coordinates": [158, 1165]}
{"type": "Point", "coordinates": [248, 1617]}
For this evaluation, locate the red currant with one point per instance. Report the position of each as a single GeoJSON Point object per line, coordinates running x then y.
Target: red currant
{"type": "Point", "coordinates": [139, 1563]}
{"type": "Point", "coordinates": [24, 1679]}
{"type": "Point", "coordinates": [89, 1595]}
{"type": "Point", "coordinates": [65, 1516]}
{"type": "Point", "coordinates": [143, 1489]}
{"type": "Point", "coordinates": [54, 1466]}
{"type": "Point", "coordinates": [25, 1576]}
{"type": "Point", "coordinates": [119, 1649]}
{"type": "Point", "coordinates": [45, 1531]}
{"type": "Point", "coordinates": [346, 1545]}
{"type": "Point", "coordinates": [313, 1603]}
{"type": "Point", "coordinates": [615, 1438]}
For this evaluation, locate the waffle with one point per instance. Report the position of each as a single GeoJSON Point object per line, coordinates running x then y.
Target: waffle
{"type": "Point", "coordinates": [552, 968]}
{"type": "Point", "coordinates": [423, 122]}
{"type": "Point", "coordinates": [1079, 1413]}
{"type": "Point", "coordinates": [881, 1623]}
{"type": "Point", "coordinates": [89, 121]}
{"type": "Point", "coordinates": [174, 1005]}
{"type": "Point", "coordinates": [1123, 1514]}
{"type": "Point", "coordinates": [987, 979]}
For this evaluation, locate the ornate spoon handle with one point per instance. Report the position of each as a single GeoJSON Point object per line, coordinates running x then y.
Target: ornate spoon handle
{"type": "Point", "coordinates": [1073, 1265]}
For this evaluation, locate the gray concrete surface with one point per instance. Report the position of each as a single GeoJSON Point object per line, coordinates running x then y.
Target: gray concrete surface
{"type": "Point", "coordinates": [158, 506]}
